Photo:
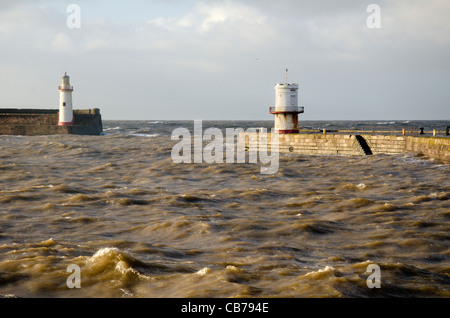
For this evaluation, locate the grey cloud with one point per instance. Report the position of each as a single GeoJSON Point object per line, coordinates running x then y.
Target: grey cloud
{"type": "Point", "coordinates": [226, 68]}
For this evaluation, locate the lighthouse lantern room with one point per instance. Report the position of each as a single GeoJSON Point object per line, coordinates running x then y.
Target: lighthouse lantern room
{"type": "Point", "coordinates": [66, 117]}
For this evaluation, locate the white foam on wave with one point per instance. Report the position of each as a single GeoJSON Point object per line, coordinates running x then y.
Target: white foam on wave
{"type": "Point", "coordinates": [203, 271]}
{"type": "Point", "coordinates": [386, 122]}
{"type": "Point", "coordinates": [106, 251]}
{"type": "Point", "coordinates": [326, 270]}
{"type": "Point", "coordinates": [145, 135]}
{"type": "Point", "coordinates": [115, 255]}
{"type": "Point", "coordinates": [112, 128]}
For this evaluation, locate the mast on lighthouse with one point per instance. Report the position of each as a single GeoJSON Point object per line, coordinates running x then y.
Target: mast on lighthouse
{"type": "Point", "coordinates": [65, 102]}
{"type": "Point", "coordinates": [286, 108]}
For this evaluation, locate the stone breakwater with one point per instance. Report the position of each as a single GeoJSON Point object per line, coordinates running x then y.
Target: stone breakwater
{"type": "Point", "coordinates": [364, 144]}
{"type": "Point", "coordinates": [32, 122]}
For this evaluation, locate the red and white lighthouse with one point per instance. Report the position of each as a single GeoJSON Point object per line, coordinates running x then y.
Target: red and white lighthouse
{"type": "Point", "coordinates": [286, 108]}
{"type": "Point", "coordinates": [65, 102]}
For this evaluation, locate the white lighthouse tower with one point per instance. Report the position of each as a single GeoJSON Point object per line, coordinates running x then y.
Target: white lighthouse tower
{"type": "Point", "coordinates": [65, 102]}
{"type": "Point", "coordinates": [286, 108]}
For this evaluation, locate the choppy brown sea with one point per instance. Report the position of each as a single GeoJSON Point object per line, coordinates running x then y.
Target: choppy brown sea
{"type": "Point", "coordinates": [139, 225]}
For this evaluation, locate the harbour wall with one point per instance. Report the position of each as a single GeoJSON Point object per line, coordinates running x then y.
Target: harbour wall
{"type": "Point", "coordinates": [352, 145]}
{"type": "Point", "coordinates": [433, 147]}
{"type": "Point", "coordinates": [32, 122]}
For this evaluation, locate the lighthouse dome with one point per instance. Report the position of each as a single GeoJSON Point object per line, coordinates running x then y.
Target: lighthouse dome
{"type": "Point", "coordinates": [66, 80]}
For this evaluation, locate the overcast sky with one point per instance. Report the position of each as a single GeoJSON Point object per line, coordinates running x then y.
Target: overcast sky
{"type": "Point", "coordinates": [220, 59]}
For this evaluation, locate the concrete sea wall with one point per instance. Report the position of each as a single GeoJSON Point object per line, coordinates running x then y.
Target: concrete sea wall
{"type": "Point", "coordinates": [349, 145]}
{"type": "Point", "coordinates": [432, 147]}
{"type": "Point", "coordinates": [317, 144]}
{"type": "Point", "coordinates": [32, 122]}
{"type": "Point", "coordinates": [386, 144]}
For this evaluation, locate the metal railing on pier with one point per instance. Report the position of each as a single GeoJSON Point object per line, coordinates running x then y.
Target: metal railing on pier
{"type": "Point", "coordinates": [376, 130]}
